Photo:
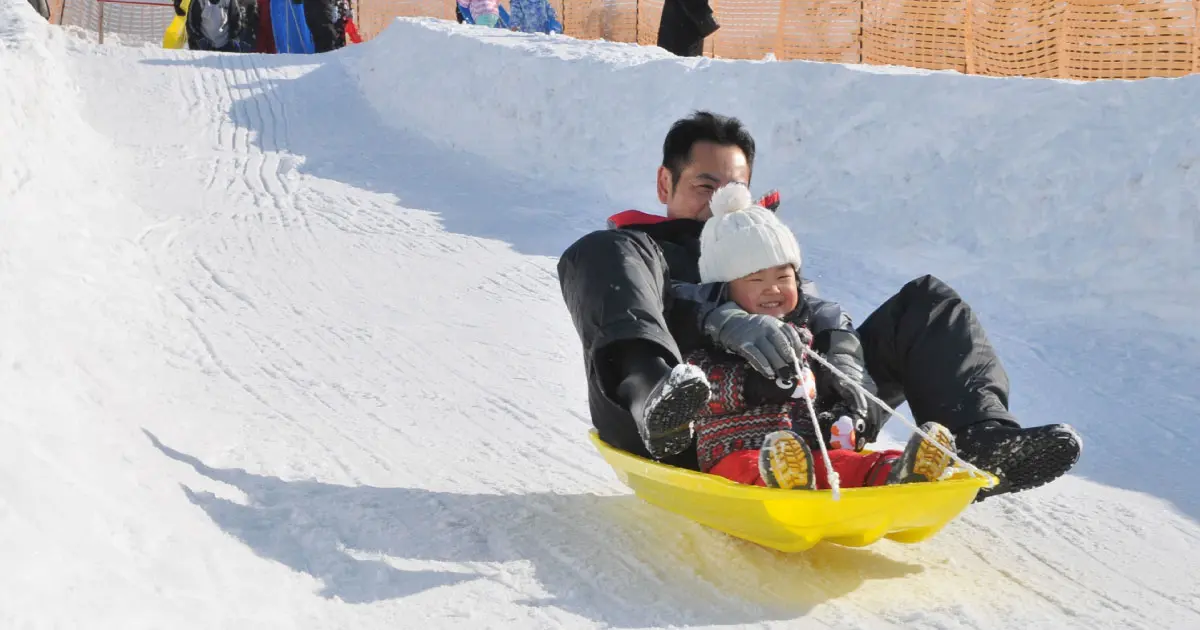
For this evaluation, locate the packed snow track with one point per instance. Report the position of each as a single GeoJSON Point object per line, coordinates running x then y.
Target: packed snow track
{"type": "Point", "coordinates": [282, 343]}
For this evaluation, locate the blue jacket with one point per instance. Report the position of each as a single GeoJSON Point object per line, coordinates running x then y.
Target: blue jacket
{"type": "Point", "coordinates": [533, 16]}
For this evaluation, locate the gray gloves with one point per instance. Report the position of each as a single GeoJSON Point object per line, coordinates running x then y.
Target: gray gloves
{"type": "Point", "coordinates": [769, 344]}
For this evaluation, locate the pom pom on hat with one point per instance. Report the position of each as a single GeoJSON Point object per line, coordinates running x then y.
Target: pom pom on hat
{"type": "Point", "coordinates": [742, 238]}
{"type": "Point", "coordinates": [730, 198]}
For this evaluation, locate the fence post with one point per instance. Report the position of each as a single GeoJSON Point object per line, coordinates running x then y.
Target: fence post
{"type": "Point", "coordinates": [968, 36]}
{"type": "Point", "coordinates": [1195, 36]}
{"type": "Point", "coordinates": [862, 31]}
{"type": "Point", "coordinates": [101, 29]}
{"type": "Point", "coordinates": [783, 5]}
{"type": "Point", "coordinates": [1061, 42]}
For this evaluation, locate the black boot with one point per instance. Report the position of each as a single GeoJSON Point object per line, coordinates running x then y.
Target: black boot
{"type": "Point", "coordinates": [662, 400]}
{"type": "Point", "coordinates": [1022, 458]}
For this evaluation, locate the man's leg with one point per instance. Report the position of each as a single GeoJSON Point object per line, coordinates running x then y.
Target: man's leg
{"type": "Point", "coordinates": [322, 19]}
{"type": "Point", "coordinates": [925, 345]}
{"type": "Point", "coordinates": [641, 395]}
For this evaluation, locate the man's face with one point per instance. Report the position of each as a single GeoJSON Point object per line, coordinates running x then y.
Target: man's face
{"type": "Point", "coordinates": [712, 166]}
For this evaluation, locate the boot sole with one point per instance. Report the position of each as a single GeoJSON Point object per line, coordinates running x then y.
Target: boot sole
{"type": "Point", "coordinates": [931, 461]}
{"type": "Point", "coordinates": [669, 424]}
{"type": "Point", "coordinates": [787, 465]}
{"type": "Point", "coordinates": [1034, 464]}
{"type": "Point", "coordinates": [924, 463]}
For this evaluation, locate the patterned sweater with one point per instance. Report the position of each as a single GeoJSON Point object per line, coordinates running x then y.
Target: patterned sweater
{"type": "Point", "coordinates": [729, 423]}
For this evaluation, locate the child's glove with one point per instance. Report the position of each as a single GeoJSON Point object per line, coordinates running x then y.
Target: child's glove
{"type": "Point", "coordinates": [767, 343]}
{"type": "Point", "coordinates": [787, 386]}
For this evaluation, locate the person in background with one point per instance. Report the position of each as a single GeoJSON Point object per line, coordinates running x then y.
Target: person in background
{"type": "Point", "coordinates": [684, 25]}
{"type": "Point", "coordinates": [326, 20]}
{"type": "Point", "coordinates": [221, 25]}
{"type": "Point", "coordinates": [481, 12]}
{"type": "Point", "coordinates": [533, 16]}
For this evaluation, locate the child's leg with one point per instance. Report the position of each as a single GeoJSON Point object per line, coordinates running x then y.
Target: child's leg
{"type": "Point", "coordinates": [739, 466]}
{"type": "Point", "coordinates": [784, 461]}
{"type": "Point", "coordinates": [919, 461]}
{"type": "Point", "coordinates": [854, 469]}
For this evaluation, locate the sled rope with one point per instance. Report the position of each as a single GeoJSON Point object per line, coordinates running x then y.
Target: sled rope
{"type": "Point", "coordinates": [975, 472]}
{"type": "Point", "coordinates": [835, 480]}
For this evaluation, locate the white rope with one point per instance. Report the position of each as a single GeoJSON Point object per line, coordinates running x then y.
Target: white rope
{"type": "Point", "coordinates": [842, 375]}
{"type": "Point", "coordinates": [835, 480]}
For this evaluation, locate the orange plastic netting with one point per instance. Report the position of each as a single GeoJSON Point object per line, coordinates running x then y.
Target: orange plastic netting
{"type": "Point", "coordinates": [1073, 39]}
{"type": "Point", "coordinates": [1076, 39]}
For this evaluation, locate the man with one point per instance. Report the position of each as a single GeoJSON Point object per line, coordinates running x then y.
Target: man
{"type": "Point", "coordinates": [221, 25]}
{"type": "Point", "coordinates": [633, 297]}
{"type": "Point", "coordinates": [326, 20]}
{"type": "Point", "coordinates": [683, 26]}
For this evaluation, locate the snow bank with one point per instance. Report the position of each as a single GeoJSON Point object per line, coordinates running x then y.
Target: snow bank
{"type": "Point", "coordinates": [367, 390]}
{"type": "Point", "coordinates": [94, 535]}
{"type": "Point", "coordinates": [1087, 190]}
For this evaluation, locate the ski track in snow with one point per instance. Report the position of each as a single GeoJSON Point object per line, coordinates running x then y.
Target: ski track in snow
{"type": "Point", "coordinates": [343, 414]}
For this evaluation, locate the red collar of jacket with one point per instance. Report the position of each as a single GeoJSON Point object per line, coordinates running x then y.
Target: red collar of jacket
{"type": "Point", "coordinates": [628, 218]}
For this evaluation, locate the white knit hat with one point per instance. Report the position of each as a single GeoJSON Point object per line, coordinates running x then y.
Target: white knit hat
{"type": "Point", "coordinates": [742, 238]}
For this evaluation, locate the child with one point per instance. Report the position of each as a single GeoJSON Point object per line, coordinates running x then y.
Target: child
{"type": "Point", "coordinates": [481, 12]}
{"type": "Point", "coordinates": [533, 16]}
{"type": "Point", "coordinates": [749, 431]}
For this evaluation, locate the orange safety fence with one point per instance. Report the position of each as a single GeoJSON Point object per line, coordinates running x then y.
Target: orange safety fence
{"type": "Point", "coordinates": [1071, 39]}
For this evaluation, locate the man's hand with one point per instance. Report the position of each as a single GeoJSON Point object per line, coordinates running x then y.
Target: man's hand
{"type": "Point", "coordinates": [769, 344]}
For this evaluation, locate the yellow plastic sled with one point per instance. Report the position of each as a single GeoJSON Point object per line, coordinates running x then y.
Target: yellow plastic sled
{"type": "Point", "coordinates": [795, 520]}
{"type": "Point", "coordinates": [176, 34]}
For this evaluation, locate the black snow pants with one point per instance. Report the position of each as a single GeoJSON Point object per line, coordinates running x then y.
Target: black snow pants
{"type": "Point", "coordinates": [326, 23]}
{"type": "Point", "coordinates": [923, 345]}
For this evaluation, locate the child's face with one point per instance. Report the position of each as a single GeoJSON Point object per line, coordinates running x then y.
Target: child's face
{"type": "Point", "coordinates": [767, 292]}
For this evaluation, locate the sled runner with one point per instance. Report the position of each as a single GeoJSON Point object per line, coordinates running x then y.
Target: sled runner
{"type": "Point", "coordinates": [795, 520]}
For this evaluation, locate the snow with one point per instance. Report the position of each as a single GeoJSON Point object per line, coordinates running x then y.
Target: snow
{"type": "Point", "coordinates": [282, 345]}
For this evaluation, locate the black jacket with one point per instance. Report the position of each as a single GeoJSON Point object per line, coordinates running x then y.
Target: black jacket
{"type": "Point", "coordinates": [242, 19]}
{"type": "Point", "coordinates": [684, 25]}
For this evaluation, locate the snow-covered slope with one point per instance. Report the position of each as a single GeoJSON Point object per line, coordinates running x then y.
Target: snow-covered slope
{"type": "Point", "coordinates": [281, 343]}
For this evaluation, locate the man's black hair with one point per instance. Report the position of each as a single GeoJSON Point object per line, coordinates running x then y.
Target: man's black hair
{"type": "Point", "coordinates": [703, 126]}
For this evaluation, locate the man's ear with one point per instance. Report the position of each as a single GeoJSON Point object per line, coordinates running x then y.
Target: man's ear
{"type": "Point", "coordinates": [664, 184]}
